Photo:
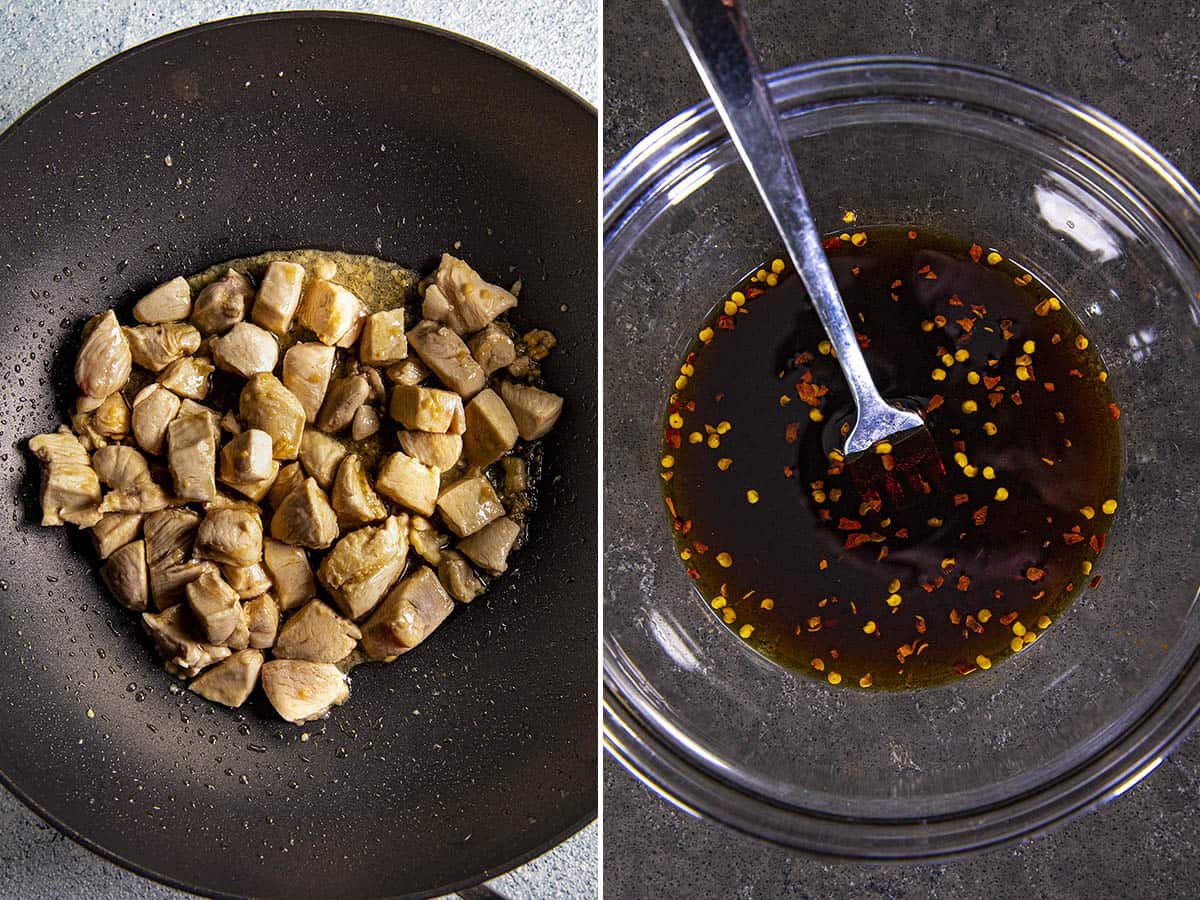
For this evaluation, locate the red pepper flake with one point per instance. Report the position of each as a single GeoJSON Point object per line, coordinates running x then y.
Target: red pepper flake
{"type": "Point", "coordinates": [973, 624]}
{"type": "Point", "coordinates": [811, 393]}
{"type": "Point", "coordinates": [980, 515]}
{"type": "Point", "coordinates": [934, 402]}
{"type": "Point", "coordinates": [976, 253]}
{"type": "Point", "coordinates": [966, 324]}
{"type": "Point", "coordinates": [1006, 329]}
{"type": "Point", "coordinates": [883, 552]}
{"type": "Point", "coordinates": [753, 292]}
{"type": "Point", "coordinates": [1094, 543]}
{"type": "Point", "coordinates": [931, 276]}
{"type": "Point", "coordinates": [671, 507]}
{"type": "Point", "coordinates": [803, 359]}
{"type": "Point", "coordinates": [963, 668]}
{"type": "Point", "coordinates": [1048, 385]}
{"type": "Point", "coordinates": [832, 243]}
{"type": "Point", "coordinates": [687, 527]}
{"type": "Point", "coordinates": [725, 322]}
{"type": "Point", "coordinates": [979, 311]}
{"type": "Point", "coordinates": [699, 547]}
{"type": "Point", "coordinates": [997, 595]}
{"type": "Point", "coordinates": [845, 524]}
{"type": "Point", "coordinates": [674, 438]}
{"type": "Point", "coordinates": [678, 523]}
{"type": "Point", "coordinates": [960, 499]}
{"type": "Point", "coordinates": [1016, 398]}
{"type": "Point", "coordinates": [871, 500]}
{"type": "Point", "coordinates": [923, 269]}
{"type": "Point", "coordinates": [927, 587]}
{"type": "Point", "coordinates": [912, 236]}
{"type": "Point", "coordinates": [857, 539]}
{"type": "Point", "coordinates": [823, 565]}
{"type": "Point", "coordinates": [990, 381]}
{"type": "Point", "coordinates": [919, 621]}
{"type": "Point", "coordinates": [895, 284]}
{"type": "Point", "coordinates": [901, 533]}
{"type": "Point", "coordinates": [1033, 573]}
{"type": "Point", "coordinates": [1095, 582]}
{"type": "Point", "coordinates": [1070, 537]}
{"type": "Point", "coordinates": [954, 300]}
{"type": "Point", "coordinates": [787, 472]}
{"type": "Point", "coordinates": [693, 574]}
{"type": "Point", "coordinates": [1008, 618]}
{"type": "Point", "coordinates": [792, 432]}
{"type": "Point", "coordinates": [863, 341]}
{"type": "Point", "coordinates": [1114, 410]}
{"type": "Point", "coordinates": [855, 270]}
{"type": "Point", "coordinates": [824, 515]}
{"type": "Point", "coordinates": [995, 398]}
{"type": "Point", "coordinates": [1075, 373]}
{"type": "Point", "coordinates": [960, 446]}
{"type": "Point", "coordinates": [690, 406]}
{"type": "Point", "coordinates": [964, 583]}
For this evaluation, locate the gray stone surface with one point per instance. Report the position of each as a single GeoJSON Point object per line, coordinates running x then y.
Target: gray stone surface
{"type": "Point", "coordinates": [1140, 64]}
{"type": "Point", "coordinates": [43, 44]}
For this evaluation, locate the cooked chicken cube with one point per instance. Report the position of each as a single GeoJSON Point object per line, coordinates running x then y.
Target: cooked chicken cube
{"type": "Point", "coordinates": [290, 477]}
{"type": "Point", "coordinates": [302, 691]}
{"type": "Point", "coordinates": [215, 607]}
{"type": "Point", "coordinates": [316, 633]}
{"type": "Point", "coordinates": [262, 621]}
{"type": "Point", "coordinates": [210, 415]}
{"type": "Point", "coordinates": [361, 567]}
{"type": "Point", "coordinates": [104, 362]}
{"type": "Point", "coordinates": [364, 424]}
{"type": "Point", "coordinates": [231, 536]}
{"type": "Point", "coordinates": [458, 577]}
{"type": "Point", "coordinates": [169, 581]}
{"type": "Point", "coordinates": [247, 464]}
{"type": "Point", "coordinates": [223, 303]}
{"type": "Point", "coordinates": [230, 423]}
{"type": "Point", "coordinates": [267, 405]}
{"type": "Point", "coordinates": [469, 504]}
{"type": "Point", "coordinates": [440, 451]}
{"type": "Point", "coordinates": [111, 418]}
{"type": "Point", "coordinates": [463, 300]}
{"type": "Point", "coordinates": [488, 548]}
{"type": "Point", "coordinates": [535, 411]}
{"type": "Point", "coordinates": [125, 470]}
{"type": "Point", "coordinates": [114, 531]}
{"type": "Point", "coordinates": [155, 347]}
{"type": "Point", "coordinates": [278, 296]}
{"type": "Point", "coordinates": [345, 397]}
{"type": "Point", "coordinates": [246, 350]}
{"type": "Point", "coordinates": [374, 381]}
{"type": "Point", "coordinates": [354, 500]}
{"type": "Point", "coordinates": [305, 518]}
{"type": "Point", "coordinates": [248, 581]}
{"type": "Point", "coordinates": [447, 357]}
{"type": "Point", "coordinates": [125, 574]}
{"type": "Point", "coordinates": [320, 455]}
{"type": "Point", "coordinates": [307, 369]}
{"type": "Point", "coordinates": [184, 655]}
{"type": "Point", "coordinates": [408, 615]}
{"type": "Point", "coordinates": [428, 409]}
{"type": "Point", "coordinates": [332, 313]}
{"type": "Point", "coordinates": [169, 535]}
{"type": "Point", "coordinates": [231, 681]}
{"type": "Point", "coordinates": [409, 482]}
{"type": "Point", "coordinates": [290, 573]}
{"type": "Point", "coordinates": [192, 457]}
{"type": "Point", "coordinates": [169, 302]}
{"type": "Point", "coordinates": [491, 431]}
{"type": "Point", "coordinates": [190, 377]}
{"type": "Point", "coordinates": [411, 371]}
{"type": "Point", "coordinates": [492, 348]}
{"type": "Point", "coordinates": [426, 539]}
{"type": "Point", "coordinates": [70, 486]}
{"type": "Point", "coordinates": [383, 341]}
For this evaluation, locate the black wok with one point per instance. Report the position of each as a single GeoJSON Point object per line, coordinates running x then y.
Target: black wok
{"type": "Point", "coordinates": [478, 750]}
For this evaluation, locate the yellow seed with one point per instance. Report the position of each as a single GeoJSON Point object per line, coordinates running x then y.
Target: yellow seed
{"type": "Point", "coordinates": [947, 359]}
{"type": "Point", "coordinates": [934, 522]}
{"type": "Point", "coordinates": [961, 355]}
{"type": "Point", "coordinates": [761, 274]}
{"type": "Point", "coordinates": [994, 258]}
{"type": "Point", "coordinates": [767, 603]}
{"type": "Point", "coordinates": [668, 461]}
{"type": "Point", "coordinates": [724, 560]}
{"type": "Point", "coordinates": [836, 455]}
{"type": "Point", "coordinates": [738, 297]}
{"type": "Point", "coordinates": [970, 471]}
{"type": "Point", "coordinates": [772, 280]}
{"type": "Point", "coordinates": [983, 662]}
{"type": "Point", "coordinates": [681, 382]}
{"type": "Point", "coordinates": [835, 494]}
{"type": "Point", "coordinates": [685, 554]}
{"type": "Point", "coordinates": [1029, 346]}
{"type": "Point", "coordinates": [723, 427]}
{"type": "Point", "coordinates": [883, 448]}
{"type": "Point", "coordinates": [989, 428]}
{"type": "Point", "coordinates": [970, 406]}
{"type": "Point", "coordinates": [719, 602]}
{"type": "Point", "coordinates": [752, 495]}
{"type": "Point", "coordinates": [695, 438]}
{"type": "Point", "coordinates": [960, 458]}
{"type": "Point", "coordinates": [1103, 377]}
{"type": "Point", "coordinates": [1016, 644]}
{"type": "Point", "coordinates": [858, 238]}
{"type": "Point", "coordinates": [818, 496]}
{"type": "Point", "coordinates": [714, 440]}
{"type": "Point", "coordinates": [706, 334]}
{"type": "Point", "coordinates": [1081, 342]}
{"type": "Point", "coordinates": [724, 463]}
{"type": "Point", "coordinates": [849, 216]}
{"type": "Point", "coordinates": [1029, 638]}
{"type": "Point", "coordinates": [1018, 629]}
{"type": "Point", "coordinates": [816, 415]}
{"type": "Point", "coordinates": [729, 614]}
{"type": "Point", "coordinates": [730, 308]}
{"type": "Point", "coordinates": [939, 321]}
{"type": "Point", "coordinates": [989, 473]}
{"type": "Point", "coordinates": [1086, 567]}
{"type": "Point", "coordinates": [938, 375]}
{"type": "Point", "coordinates": [1087, 512]}
{"type": "Point", "coordinates": [777, 266]}
{"type": "Point", "coordinates": [784, 399]}
{"type": "Point", "coordinates": [818, 664]}
{"type": "Point", "coordinates": [1001, 494]}
{"type": "Point", "coordinates": [1108, 507]}
{"type": "Point", "coordinates": [746, 630]}
{"type": "Point", "coordinates": [1043, 622]}
{"type": "Point", "coordinates": [927, 325]}
{"type": "Point", "coordinates": [893, 585]}
{"type": "Point", "coordinates": [866, 681]}
{"type": "Point", "coordinates": [869, 628]}
{"type": "Point", "coordinates": [675, 420]}
{"type": "Point", "coordinates": [972, 378]}
{"type": "Point", "coordinates": [1024, 360]}
{"type": "Point", "coordinates": [824, 348]}
{"type": "Point", "coordinates": [894, 600]}
{"type": "Point", "coordinates": [1022, 373]}
{"type": "Point", "coordinates": [834, 678]}
{"type": "Point", "coordinates": [948, 562]}
{"type": "Point", "coordinates": [984, 616]}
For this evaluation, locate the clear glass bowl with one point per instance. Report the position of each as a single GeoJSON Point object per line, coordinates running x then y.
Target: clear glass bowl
{"type": "Point", "coordinates": [1080, 716]}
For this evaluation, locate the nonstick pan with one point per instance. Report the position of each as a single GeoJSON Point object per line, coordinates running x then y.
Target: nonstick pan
{"type": "Point", "coordinates": [478, 750]}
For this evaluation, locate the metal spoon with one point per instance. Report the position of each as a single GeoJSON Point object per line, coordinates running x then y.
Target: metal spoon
{"type": "Point", "coordinates": [715, 35]}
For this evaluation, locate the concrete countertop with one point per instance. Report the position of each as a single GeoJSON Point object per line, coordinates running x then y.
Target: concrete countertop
{"type": "Point", "coordinates": [42, 45]}
{"type": "Point", "coordinates": [1138, 63]}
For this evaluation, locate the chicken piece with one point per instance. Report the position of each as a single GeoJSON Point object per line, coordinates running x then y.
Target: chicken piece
{"type": "Point", "coordinates": [190, 377]}
{"type": "Point", "coordinates": [458, 577]}
{"type": "Point", "coordinates": [182, 654]}
{"type": "Point", "coordinates": [468, 505]}
{"type": "Point", "coordinates": [155, 347]}
{"type": "Point", "coordinates": [409, 482]}
{"type": "Point", "coordinates": [246, 350]}
{"type": "Point", "coordinates": [124, 572]}
{"type": "Point", "coordinates": [374, 382]}
{"type": "Point", "coordinates": [278, 296]}
{"type": "Point", "coordinates": [426, 539]}
{"type": "Point", "coordinates": [489, 547]}
{"type": "Point", "coordinates": [70, 487]}
{"type": "Point", "coordinates": [290, 573]}
{"type": "Point", "coordinates": [114, 531]}
{"type": "Point", "coordinates": [383, 341]}
{"type": "Point", "coordinates": [491, 431]}
{"type": "Point", "coordinates": [215, 607]}
{"type": "Point", "coordinates": [408, 615]}
{"type": "Point", "coordinates": [410, 372]}
{"type": "Point", "coordinates": [169, 535]}
{"type": "Point", "coordinates": [463, 300]}
{"type": "Point", "coordinates": [428, 409]}
{"type": "Point", "coordinates": [104, 362]}
{"type": "Point", "coordinates": [169, 581]}
{"type": "Point", "coordinates": [169, 302]}
{"type": "Point", "coordinates": [230, 423]}
{"type": "Point", "coordinates": [125, 470]}
{"type": "Point", "coordinates": [305, 518]}
{"type": "Point", "coordinates": [154, 408]}
{"type": "Point", "coordinates": [516, 475]}
{"type": "Point", "coordinates": [441, 451]}
{"type": "Point", "coordinates": [290, 477]}
{"type": "Point", "coordinates": [332, 313]}
{"type": "Point", "coordinates": [192, 456]}
{"type": "Point", "coordinates": [364, 424]}
{"type": "Point", "coordinates": [210, 415]}
{"type": "Point", "coordinates": [262, 620]}
{"type": "Point", "coordinates": [354, 500]}
{"type": "Point", "coordinates": [231, 681]}
{"type": "Point", "coordinates": [223, 303]}
{"type": "Point", "coordinates": [230, 536]}
{"type": "Point", "coordinates": [320, 455]}
{"type": "Point", "coordinates": [248, 581]}
{"type": "Point", "coordinates": [267, 405]}
{"type": "Point", "coordinates": [247, 465]}
{"type": "Point", "coordinates": [535, 411]}
{"type": "Point", "coordinates": [492, 348]}
{"type": "Point", "coordinates": [316, 633]}
{"type": "Point", "coordinates": [345, 397]}
{"type": "Point", "coordinates": [361, 567]}
{"type": "Point", "coordinates": [448, 358]}
{"type": "Point", "coordinates": [111, 418]}
{"type": "Point", "coordinates": [302, 691]}
{"type": "Point", "coordinates": [307, 369]}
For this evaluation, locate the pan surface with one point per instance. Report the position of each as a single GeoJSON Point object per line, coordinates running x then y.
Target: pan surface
{"type": "Point", "coordinates": [464, 758]}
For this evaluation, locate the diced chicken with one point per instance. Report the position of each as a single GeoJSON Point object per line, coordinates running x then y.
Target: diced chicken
{"type": "Point", "coordinates": [262, 620]}
{"type": "Point", "coordinates": [374, 382]}
{"type": "Point", "coordinates": [468, 505]}
{"type": "Point", "coordinates": [332, 313]}
{"type": "Point", "coordinates": [230, 536]}
{"type": "Point", "coordinates": [535, 411]}
{"type": "Point", "coordinates": [410, 483]}
{"type": "Point", "coordinates": [316, 633]}
{"type": "Point", "coordinates": [302, 691]}
{"type": "Point", "coordinates": [114, 531]}
{"type": "Point", "coordinates": [169, 581]}
{"type": "Point", "coordinates": [345, 396]}
{"type": "Point", "coordinates": [426, 539]}
{"type": "Point", "coordinates": [70, 486]}
{"type": "Point", "coordinates": [169, 535]}
{"type": "Point", "coordinates": [489, 547]}
{"type": "Point", "coordinates": [440, 451]}
{"type": "Point", "coordinates": [491, 431]}
{"type": "Point", "coordinates": [290, 573]}
{"type": "Point", "coordinates": [516, 475]}
{"type": "Point", "coordinates": [124, 572]}
{"type": "Point", "coordinates": [111, 418]}
{"type": "Point", "coordinates": [305, 518]}
{"type": "Point", "coordinates": [307, 369]}
{"type": "Point", "coordinates": [248, 581]}
{"type": "Point", "coordinates": [463, 300]}
{"type": "Point", "coordinates": [230, 423]}
{"type": "Point", "coordinates": [192, 456]}
{"type": "Point", "coordinates": [458, 577]}
{"type": "Point", "coordinates": [247, 464]}
{"type": "Point", "coordinates": [365, 423]}
{"type": "Point", "coordinates": [169, 302]}
{"type": "Point", "coordinates": [354, 500]}
{"type": "Point", "coordinates": [290, 477]}
{"type": "Point", "coordinates": [361, 567]}
{"type": "Point", "coordinates": [408, 615]}
{"type": "Point", "coordinates": [223, 303]}
{"type": "Point", "coordinates": [411, 372]}
{"type": "Point", "coordinates": [153, 409]}
{"type": "Point", "coordinates": [492, 348]}
{"type": "Point", "coordinates": [155, 347]}
{"type": "Point", "coordinates": [215, 608]}
{"type": "Point", "coordinates": [125, 470]}
{"type": "Point", "coordinates": [278, 296]}
{"type": "Point", "coordinates": [210, 415]}
{"type": "Point", "coordinates": [184, 655]}
{"type": "Point", "coordinates": [320, 455]}
{"type": "Point", "coordinates": [267, 405]}
{"type": "Point", "coordinates": [428, 409]}
{"type": "Point", "coordinates": [190, 377]}
{"type": "Point", "coordinates": [383, 341]}
{"type": "Point", "coordinates": [240, 638]}
{"type": "Point", "coordinates": [231, 681]}
{"type": "Point", "coordinates": [104, 362]}
{"type": "Point", "coordinates": [246, 350]}
{"type": "Point", "coordinates": [447, 357]}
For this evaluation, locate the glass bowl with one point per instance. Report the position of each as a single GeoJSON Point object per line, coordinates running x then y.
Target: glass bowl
{"type": "Point", "coordinates": [1077, 718]}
